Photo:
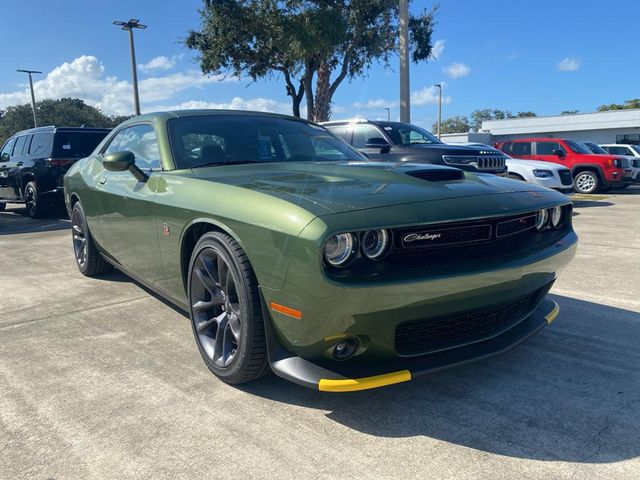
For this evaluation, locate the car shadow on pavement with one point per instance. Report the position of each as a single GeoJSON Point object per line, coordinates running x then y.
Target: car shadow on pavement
{"type": "Point", "coordinates": [571, 393]}
{"type": "Point", "coordinates": [14, 220]}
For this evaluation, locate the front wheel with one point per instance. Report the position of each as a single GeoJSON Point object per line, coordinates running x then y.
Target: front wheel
{"type": "Point", "coordinates": [89, 260]}
{"type": "Point", "coordinates": [586, 182]}
{"type": "Point", "coordinates": [225, 310]}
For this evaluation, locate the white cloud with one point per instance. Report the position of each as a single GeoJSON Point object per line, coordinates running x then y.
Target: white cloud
{"type": "Point", "coordinates": [237, 103]}
{"type": "Point", "coordinates": [569, 64]}
{"type": "Point", "coordinates": [437, 49]}
{"type": "Point", "coordinates": [85, 78]}
{"type": "Point", "coordinates": [429, 96]}
{"type": "Point", "coordinates": [158, 63]}
{"type": "Point", "coordinates": [457, 70]}
{"type": "Point", "coordinates": [377, 103]}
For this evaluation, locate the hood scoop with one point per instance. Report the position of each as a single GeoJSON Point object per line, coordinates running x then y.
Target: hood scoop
{"type": "Point", "coordinates": [438, 174]}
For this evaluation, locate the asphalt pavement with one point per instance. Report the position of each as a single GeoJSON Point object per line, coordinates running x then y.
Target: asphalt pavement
{"type": "Point", "coordinates": [100, 379]}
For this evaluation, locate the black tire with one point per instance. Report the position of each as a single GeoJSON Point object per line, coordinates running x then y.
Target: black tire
{"type": "Point", "coordinates": [586, 181]}
{"type": "Point", "coordinates": [515, 176]}
{"type": "Point", "coordinates": [88, 259]}
{"type": "Point", "coordinates": [3, 207]}
{"type": "Point", "coordinates": [35, 208]}
{"type": "Point", "coordinates": [226, 310]}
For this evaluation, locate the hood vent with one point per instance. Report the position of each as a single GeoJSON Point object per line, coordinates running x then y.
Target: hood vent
{"type": "Point", "coordinates": [438, 175]}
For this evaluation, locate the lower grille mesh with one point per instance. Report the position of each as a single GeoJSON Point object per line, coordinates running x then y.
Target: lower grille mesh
{"type": "Point", "coordinates": [441, 333]}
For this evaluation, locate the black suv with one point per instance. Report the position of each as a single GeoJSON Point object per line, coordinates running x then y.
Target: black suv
{"type": "Point", "coordinates": [33, 162]}
{"type": "Point", "coordinates": [403, 142]}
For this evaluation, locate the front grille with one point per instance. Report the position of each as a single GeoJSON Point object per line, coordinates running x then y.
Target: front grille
{"type": "Point", "coordinates": [450, 331]}
{"type": "Point", "coordinates": [565, 177]}
{"type": "Point", "coordinates": [436, 175]}
{"type": "Point", "coordinates": [495, 162]}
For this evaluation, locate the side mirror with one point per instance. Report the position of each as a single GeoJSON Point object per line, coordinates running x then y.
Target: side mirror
{"type": "Point", "coordinates": [559, 153]}
{"type": "Point", "coordinates": [121, 161]}
{"type": "Point", "coordinates": [378, 142]}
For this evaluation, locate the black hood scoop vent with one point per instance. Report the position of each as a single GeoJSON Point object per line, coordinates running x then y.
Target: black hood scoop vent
{"type": "Point", "coordinates": [438, 174]}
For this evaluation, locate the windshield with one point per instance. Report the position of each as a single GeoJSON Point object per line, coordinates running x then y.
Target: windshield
{"type": "Point", "coordinates": [636, 148]}
{"type": "Point", "coordinates": [596, 149]}
{"type": "Point", "coordinates": [578, 147]}
{"type": "Point", "coordinates": [405, 134]}
{"type": "Point", "coordinates": [233, 139]}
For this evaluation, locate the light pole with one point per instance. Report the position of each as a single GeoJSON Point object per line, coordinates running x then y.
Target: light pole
{"type": "Point", "coordinates": [388, 113]}
{"type": "Point", "coordinates": [33, 97]}
{"type": "Point", "coordinates": [405, 107]}
{"type": "Point", "coordinates": [439, 107]}
{"type": "Point", "coordinates": [129, 26]}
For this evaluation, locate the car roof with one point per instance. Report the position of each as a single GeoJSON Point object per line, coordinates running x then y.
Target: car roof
{"type": "Point", "coordinates": [380, 123]}
{"type": "Point", "coordinates": [53, 129]}
{"type": "Point", "coordinates": [537, 139]}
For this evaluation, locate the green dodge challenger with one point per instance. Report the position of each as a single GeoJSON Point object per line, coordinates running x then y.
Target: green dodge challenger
{"type": "Point", "coordinates": [292, 252]}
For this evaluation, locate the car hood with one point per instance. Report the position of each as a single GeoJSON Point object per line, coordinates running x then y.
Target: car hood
{"type": "Point", "coordinates": [535, 164]}
{"type": "Point", "coordinates": [449, 149]}
{"type": "Point", "coordinates": [333, 187]}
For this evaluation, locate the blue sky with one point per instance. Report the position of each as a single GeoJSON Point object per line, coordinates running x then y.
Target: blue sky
{"type": "Point", "coordinates": [554, 56]}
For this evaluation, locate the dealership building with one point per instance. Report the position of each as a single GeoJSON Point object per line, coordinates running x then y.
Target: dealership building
{"type": "Point", "coordinates": [614, 126]}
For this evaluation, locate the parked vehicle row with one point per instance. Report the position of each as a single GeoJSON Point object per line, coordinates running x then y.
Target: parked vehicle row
{"type": "Point", "coordinates": [590, 171]}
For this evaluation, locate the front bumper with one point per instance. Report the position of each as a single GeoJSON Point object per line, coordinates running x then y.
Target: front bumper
{"type": "Point", "coordinates": [346, 377]}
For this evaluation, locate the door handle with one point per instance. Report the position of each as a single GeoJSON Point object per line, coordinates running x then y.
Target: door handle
{"type": "Point", "coordinates": [102, 181]}
{"type": "Point", "coordinates": [19, 164]}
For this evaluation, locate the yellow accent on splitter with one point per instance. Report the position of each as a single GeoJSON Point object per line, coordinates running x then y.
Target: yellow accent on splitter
{"type": "Point", "coordinates": [551, 316]}
{"type": "Point", "coordinates": [355, 384]}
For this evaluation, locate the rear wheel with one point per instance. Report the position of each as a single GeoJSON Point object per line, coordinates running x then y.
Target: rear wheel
{"type": "Point", "coordinates": [88, 258]}
{"type": "Point", "coordinates": [586, 182]}
{"type": "Point", "coordinates": [35, 209]}
{"type": "Point", "coordinates": [225, 308]}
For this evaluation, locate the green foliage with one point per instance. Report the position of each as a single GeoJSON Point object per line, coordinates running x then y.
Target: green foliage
{"type": "Point", "coordinates": [633, 103]}
{"type": "Point", "coordinates": [325, 40]}
{"type": "Point", "coordinates": [478, 116]}
{"type": "Point", "coordinates": [65, 112]}
{"type": "Point", "coordinates": [569, 112]}
{"type": "Point", "coordinates": [453, 125]}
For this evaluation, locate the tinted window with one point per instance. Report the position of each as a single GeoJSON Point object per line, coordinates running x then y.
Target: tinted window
{"type": "Point", "coordinates": [41, 144]}
{"type": "Point", "coordinates": [142, 142]}
{"type": "Point", "coordinates": [596, 148]}
{"type": "Point", "coordinates": [618, 150]}
{"type": "Point", "coordinates": [406, 134]}
{"type": "Point", "coordinates": [76, 144]}
{"type": "Point", "coordinates": [506, 147]}
{"type": "Point", "coordinates": [521, 148]}
{"type": "Point", "coordinates": [6, 150]}
{"type": "Point", "coordinates": [19, 147]}
{"type": "Point", "coordinates": [577, 147]}
{"type": "Point", "coordinates": [113, 145]}
{"type": "Point", "coordinates": [340, 130]}
{"type": "Point", "coordinates": [636, 148]}
{"type": "Point", "coordinates": [229, 139]}
{"type": "Point", "coordinates": [546, 148]}
{"type": "Point", "coordinates": [362, 133]}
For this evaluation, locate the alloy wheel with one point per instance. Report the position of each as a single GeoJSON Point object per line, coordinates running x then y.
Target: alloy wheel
{"type": "Point", "coordinates": [78, 230]}
{"type": "Point", "coordinates": [215, 307]}
{"type": "Point", "coordinates": [585, 182]}
{"type": "Point", "coordinates": [30, 200]}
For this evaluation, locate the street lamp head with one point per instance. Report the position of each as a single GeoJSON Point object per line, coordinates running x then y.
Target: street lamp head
{"type": "Point", "coordinates": [438, 85]}
{"type": "Point", "coordinates": [132, 23]}
{"type": "Point", "coordinates": [28, 71]}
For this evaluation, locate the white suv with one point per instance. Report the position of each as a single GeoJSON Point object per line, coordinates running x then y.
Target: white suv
{"type": "Point", "coordinates": [632, 152]}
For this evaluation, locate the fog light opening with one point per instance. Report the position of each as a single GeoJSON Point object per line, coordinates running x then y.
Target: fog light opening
{"type": "Point", "coordinates": [345, 348]}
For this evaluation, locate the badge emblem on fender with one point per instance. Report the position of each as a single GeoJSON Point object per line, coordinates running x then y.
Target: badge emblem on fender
{"type": "Point", "coordinates": [166, 229]}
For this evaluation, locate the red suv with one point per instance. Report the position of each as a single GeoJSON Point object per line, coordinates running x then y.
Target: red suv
{"type": "Point", "coordinates": [590, 172]}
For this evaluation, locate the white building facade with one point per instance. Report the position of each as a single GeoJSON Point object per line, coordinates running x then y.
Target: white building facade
{"type": "Point", "coordinates": [615, 126]}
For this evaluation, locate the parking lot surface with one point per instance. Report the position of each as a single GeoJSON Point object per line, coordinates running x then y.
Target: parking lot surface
{"type": "Point", "coordinates": [100, 379]}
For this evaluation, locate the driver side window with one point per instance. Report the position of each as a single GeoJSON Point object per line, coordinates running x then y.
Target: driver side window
{"type": "Point", "coordinates": [5, 154]}
{"type": "Point", "coordinates": [140, 140]}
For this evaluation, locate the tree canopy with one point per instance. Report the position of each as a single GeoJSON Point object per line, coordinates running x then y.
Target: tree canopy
{"type": "Point", "coordinates": [65, 112]}
{"type": "Point", "coordinates": [326, 41]}
{"type": "Point", "coordinates": [633, 103]}
{"type": "Point", "coordinates": [453, 125]}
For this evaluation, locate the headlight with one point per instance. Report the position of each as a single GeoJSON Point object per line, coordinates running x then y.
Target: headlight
{"type": "Point", "coordinates": [556, 216]}
{"type": "Point", "coordinates": [374, 243]}
{"type": "Point", "coordinates": [339, 249]}
{"type": "Point", "coordinates": [543, 173]}
{"type": "Point", "coordinates": [541, 219]}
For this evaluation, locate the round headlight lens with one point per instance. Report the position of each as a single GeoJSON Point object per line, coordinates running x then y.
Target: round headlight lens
{"type": "Point", "coordinates": [556, 216]}
{"type": "Point", "coordinates": [374, 243]}
{"type": "Point", "coordinates": [541, 219]}
{"type": "Point", "coordinates": [339, 249]}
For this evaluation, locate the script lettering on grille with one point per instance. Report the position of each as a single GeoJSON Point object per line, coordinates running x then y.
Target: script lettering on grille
{"type": "Point", "coordinates": [412, 237]}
